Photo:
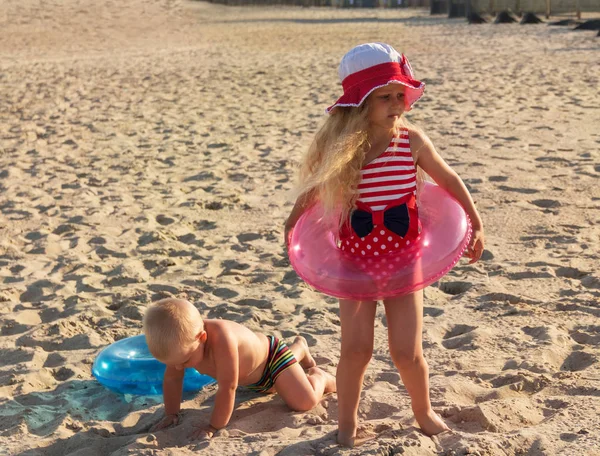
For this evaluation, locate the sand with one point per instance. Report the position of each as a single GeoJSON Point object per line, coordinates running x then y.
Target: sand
{"type": "Point", "coordinates": [148, 149]}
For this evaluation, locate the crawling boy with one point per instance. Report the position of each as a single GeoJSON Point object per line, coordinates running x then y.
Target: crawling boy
{"type": "Point", "coordinates": [231, 354]}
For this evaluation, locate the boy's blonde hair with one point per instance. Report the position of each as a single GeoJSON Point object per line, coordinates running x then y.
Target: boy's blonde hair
{"type": "Point", "coordinates": [171, 323]}
{"type": "Point", "coordinates": [331, 168]}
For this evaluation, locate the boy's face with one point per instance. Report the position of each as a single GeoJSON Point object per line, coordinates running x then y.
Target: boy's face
{"type": "Point", "coordinates": [386, 105]}
{"type": "Point", "coordinates": [190, 355]}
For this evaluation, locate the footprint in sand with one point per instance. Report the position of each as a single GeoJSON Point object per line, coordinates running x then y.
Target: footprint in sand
{"type": "Point", "coordinates": [35, 236]}
{"type": "Point", "coordinates": [62, 374]}
{"type": "Point", "coordinates": [14, 214]}
{"type": "Point", "coordinates": [523, 275]}
{"type": "Point", "coordinates": [214, 206]}
{"type": "Point", "coordinates": [201, 177]}
{"type": "Point", "coordinates": [22, 355]}
{"type": "Point", "coordinates": [552, 159]}
{"type": "Point", "coordinates": [388, 377]}
{"type": "Point", "coordinates": [202, 225]}
{"type": "Point", "coordinates": [225, 293]}
{"type": "Point", "coordinates": [376, 410]}
{"type": "Point", "coordinates": [255, 303]}
{"type": "Point", "coordinates": [190, 239]}
{"type": "Point", "coordinates": [229, 265]}
{"type": "Point", "coordinates": [494, 301]}
{"type": "Point", "coordinates": [462, 337]}
{"type": "Point", "coordinates": [497, 416]}
{"type": "Point", "coordinates": [41, 290]}
{"type": "Point", "coordinates": [591, 281]}
{"type": "Point", "coordinates": [248, 237]}
{"type": "Point", "coordinates": [455, 288]}
{"type": "Point", "coordinates": [570, 273]}
{"type": "Point", "coordinates": [459, 330]}
{"type": "Point", "coordinates": [527, 191]}
{"type": "Point", "coordinates": [164, 220]}
{"type": "Point", "coordinates": [586, 335]}
{"type": "Point", "coordinates": [103, 252]}
{"type": "Point", "coordinates": [548, 335]}
{"type": "Point", "coordinates": [10, 327]}
{"type": "Point", "coordinates": [238, 177]}
{"type": "Point", "coordinates": [66, 335]}
{"type": "Point", "coordinates": [432, 311]}
{"type": "Point", "coordinates": [578, 361]}
{"type": "Point", "coordinates": [471, 183]}
{"type": "Point", "coordinates": [63, 229]}
{"type": "Point", "coordinates": [54, 360]}
{"type": "Point", "coordinates": [126, 274]}
{"type": "Point", "coordinates": [524, 383]}
{"type": "Point", "coordinates": [546, 203]}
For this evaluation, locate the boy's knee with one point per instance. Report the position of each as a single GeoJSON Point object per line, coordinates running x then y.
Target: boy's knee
{"type": "Point", "coordinates": [304, 404]}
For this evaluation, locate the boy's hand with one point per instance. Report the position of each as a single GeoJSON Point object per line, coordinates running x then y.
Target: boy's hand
{"type": "Point", "coordinates": [476, 246]}
{"type": "Point", "coordinates": [168, 420]}
{"type": "Point", "coordinates": [203, 433]}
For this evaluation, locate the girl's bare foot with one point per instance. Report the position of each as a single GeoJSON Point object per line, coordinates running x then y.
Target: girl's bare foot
{"type": "Point", "coordinates": [431, 423]}
{"type": "Point", "coordinates": [346, 437]}
{"type": "Point", "coordinates": [355, 438]}
{"type": "Point", "coordinates": [306, 361]}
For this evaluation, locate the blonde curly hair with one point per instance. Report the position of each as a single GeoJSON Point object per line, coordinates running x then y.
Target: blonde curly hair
{"type": "Point", "coordinates": [330, 170]}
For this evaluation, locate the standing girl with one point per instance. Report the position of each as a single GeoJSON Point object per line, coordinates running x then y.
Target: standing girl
{"type": "Point", "coordinates": [367, 158]}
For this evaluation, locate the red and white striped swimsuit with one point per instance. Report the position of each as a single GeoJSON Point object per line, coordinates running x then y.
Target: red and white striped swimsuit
{"type": "Point", "coordinates": [388, 182]}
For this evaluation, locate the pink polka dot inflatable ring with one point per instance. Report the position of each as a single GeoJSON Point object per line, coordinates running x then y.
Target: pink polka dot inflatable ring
{"type": "Point", "coordinates": [445, 235]}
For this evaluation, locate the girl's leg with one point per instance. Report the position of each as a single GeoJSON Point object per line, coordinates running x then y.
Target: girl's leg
{"type": "Point", "coordinates": [357, 321]}
{"type": "Point", "coordinates": [405, 324]}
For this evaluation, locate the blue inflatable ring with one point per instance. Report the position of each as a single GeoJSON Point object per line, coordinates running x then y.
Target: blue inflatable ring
{"type": "Point", "coordinates": [127, 367]}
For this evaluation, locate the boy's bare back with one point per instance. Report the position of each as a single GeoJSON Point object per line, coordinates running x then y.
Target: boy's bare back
{"type": "Point", "coordinates": [229, 343]}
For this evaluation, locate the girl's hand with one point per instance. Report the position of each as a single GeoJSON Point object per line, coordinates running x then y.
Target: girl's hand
{"type": "Point", "coordinates": [476, 246]}
{"type": "Point", "coordinates": [168, 420]}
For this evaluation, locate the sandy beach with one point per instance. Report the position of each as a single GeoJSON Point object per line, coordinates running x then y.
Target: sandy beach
{"type": "Point", "coordinates": [148, 149]}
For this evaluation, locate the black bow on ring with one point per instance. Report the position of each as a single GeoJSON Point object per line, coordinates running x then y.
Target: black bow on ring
{"type": "Point", "coordinates": [395, 219]}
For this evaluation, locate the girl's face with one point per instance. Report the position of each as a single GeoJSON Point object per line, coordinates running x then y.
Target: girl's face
{"type": "Point", "coordinates": [386, 105]}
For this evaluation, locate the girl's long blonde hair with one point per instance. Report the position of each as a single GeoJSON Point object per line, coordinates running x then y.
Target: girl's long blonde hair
{"type": "Point", "coordinates": [331, 168]}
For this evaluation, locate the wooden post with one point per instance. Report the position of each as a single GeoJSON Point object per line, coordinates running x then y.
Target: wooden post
{"type": "Point", "coordinates": [578, 9]}
{"type": "Point", "coordinates": [547, 9]}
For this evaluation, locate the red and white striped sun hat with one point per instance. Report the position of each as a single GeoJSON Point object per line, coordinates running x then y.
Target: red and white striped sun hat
{"type": "Point", "coordinates": [373, 65]}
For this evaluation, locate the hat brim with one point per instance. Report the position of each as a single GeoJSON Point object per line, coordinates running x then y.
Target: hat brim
{"type": "Point", "coordinates": [358, 94]}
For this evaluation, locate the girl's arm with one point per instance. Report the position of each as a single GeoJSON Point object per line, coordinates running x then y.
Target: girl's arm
{"type": "Point", "coordinates": [430, 161]}
{"type": "Point", "coordinates": [303, 202]}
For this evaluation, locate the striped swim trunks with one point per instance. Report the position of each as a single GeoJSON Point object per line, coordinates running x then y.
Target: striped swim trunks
{"type": "Point", "coordinates": [280, 358]}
